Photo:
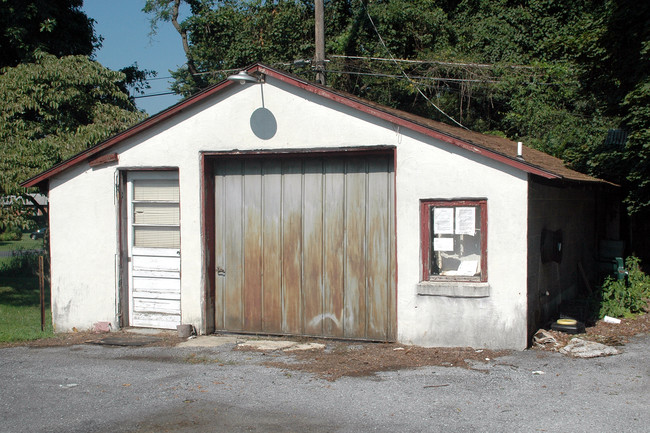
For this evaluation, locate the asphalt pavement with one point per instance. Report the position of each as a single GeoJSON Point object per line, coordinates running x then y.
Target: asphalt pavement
{"type": "Point", "coordinates": [93, 388]}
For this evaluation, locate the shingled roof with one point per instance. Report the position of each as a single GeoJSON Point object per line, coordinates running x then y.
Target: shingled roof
{"type": "Point", "coordinates": [493, 147]}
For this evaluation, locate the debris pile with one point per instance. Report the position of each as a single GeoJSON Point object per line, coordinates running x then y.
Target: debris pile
{"type": "Point", "coordinates": [580, 348]}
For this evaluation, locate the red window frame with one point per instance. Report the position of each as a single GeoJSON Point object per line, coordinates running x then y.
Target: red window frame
{"type": "Point", "coordinates": [425, 236]}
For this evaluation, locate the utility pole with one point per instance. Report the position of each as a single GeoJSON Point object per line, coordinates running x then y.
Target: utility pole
{"type": "Point", "coordinates": [319, 55]}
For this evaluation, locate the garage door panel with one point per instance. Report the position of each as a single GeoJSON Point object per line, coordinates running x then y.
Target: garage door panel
{"type": "Point", "coordinates": [378, 241]}
{"type": "Point", "coordinates": [334, 238]}
{"type": "Point", "coordinates": [355, 254]}
{"type": "Point", "coordinates": [312, 293]}
{"type": "Point", "coordinates": [252, 288]}
{"type": "Point", "coordinates": [306, 246]}
{"type": "Point", "coordinates": [220, 242]}
{"type": "Point", "coordinates": [292, 246]}
{"type": "Point", "coordinates": [272, 248]}
{"type": "Point", "coordinates": [233, 235]}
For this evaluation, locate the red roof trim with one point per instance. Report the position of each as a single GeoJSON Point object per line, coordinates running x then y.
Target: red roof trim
{"type": "Point", "coordinates": [312, 88]}
{"type": "Point", "coordinates": [104, 159]}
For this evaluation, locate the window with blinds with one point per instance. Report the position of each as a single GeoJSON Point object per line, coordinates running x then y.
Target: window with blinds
{"type": "Point", "coordinates": [156, 214]}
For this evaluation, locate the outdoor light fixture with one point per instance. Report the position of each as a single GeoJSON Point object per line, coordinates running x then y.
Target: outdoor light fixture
{"type": "Point", "coordinates": [243, 77]}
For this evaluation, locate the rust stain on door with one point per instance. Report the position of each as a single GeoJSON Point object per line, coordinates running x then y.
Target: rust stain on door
{"type": "Point", "coordinates": [271, 247]}
{"type": "Point", "coordinates": [252, 204]}
{"type": "Point", "coordinates": [306, 246]}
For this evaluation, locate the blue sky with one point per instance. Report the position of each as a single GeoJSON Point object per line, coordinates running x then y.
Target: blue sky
{"type": "Point", "coordinates": [125, 29]}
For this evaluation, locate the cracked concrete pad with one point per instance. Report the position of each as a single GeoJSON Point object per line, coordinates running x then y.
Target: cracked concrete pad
{"type": "Point", "coordinates": [286, 346]}
{"type": "Point", "coordinates": [209, 341]}
{"type": "Point", "coordinates": [305, 346]}
{"type": "Point", "coordinates": [268, 344]}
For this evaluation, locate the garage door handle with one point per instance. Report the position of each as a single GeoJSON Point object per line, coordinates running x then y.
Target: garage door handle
{"type": "Point", "coordinates": [221, 272]}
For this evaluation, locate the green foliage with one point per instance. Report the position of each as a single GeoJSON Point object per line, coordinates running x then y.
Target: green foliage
{"type": "Point", "coordinates": [55, 100]}
{"type": "Point", "coordinates": [136, 80]}
{"type": "Point", "coordinates": [227, 34]}
{"type": "Point", "coordinates": [24, 243]}
{"type": "Point", "coordinates": [52, 109]}
{"type": "Point", "coordinates": [623, 298]}
{"type": "Point", "coordinates": [554, 74]}
{"type": "Point", "coordinates": [11, 234]}
{"type": "Point", "coordinates": [637, 152]}
{"type": "Point", "coordinates": [21, 263]}
{"type": "Point", "coordinates": [30, 26]}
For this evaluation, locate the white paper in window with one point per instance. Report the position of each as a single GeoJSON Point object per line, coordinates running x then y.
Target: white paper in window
{"type": "Point", "coordinates": [468, 268]}
{"type": "Point", "coordinates": [465, 221]}
{"type": "Point", "coordinates": [443, 244]}
{"type": "Point", "coordinates": [443, 221]}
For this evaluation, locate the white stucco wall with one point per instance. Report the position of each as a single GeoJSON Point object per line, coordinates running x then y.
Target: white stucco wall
{"type": "Point", "coordinates": [83, 246]}
{"type": "Point", "coordinates": [84, 212]}
{"type": "Point", "coordinates": [496, 321]}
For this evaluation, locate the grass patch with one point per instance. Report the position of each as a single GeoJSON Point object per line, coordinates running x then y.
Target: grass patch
{"type": "Point", "coordinates": [25, 243]}
{"type": "Point", "coordinates": [20, 311]}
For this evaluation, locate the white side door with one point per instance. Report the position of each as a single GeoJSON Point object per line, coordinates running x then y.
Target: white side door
{"type": "Point", "coordinates": [154, 249]}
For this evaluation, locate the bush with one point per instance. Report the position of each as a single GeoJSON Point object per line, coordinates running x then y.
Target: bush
{"type": "Point", "coordinates": [626, 297]}
{"type": "Point", "coordinates": [13, 234]}
{"type": "Point", "coordinates": [21, 263]}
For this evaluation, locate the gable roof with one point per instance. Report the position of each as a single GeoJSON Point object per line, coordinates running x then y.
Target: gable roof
{"type": "Point", "coordinates": [493, 147]}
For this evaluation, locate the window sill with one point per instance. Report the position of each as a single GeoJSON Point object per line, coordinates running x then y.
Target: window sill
{"type": "Point", "coordinates": [454, 289]}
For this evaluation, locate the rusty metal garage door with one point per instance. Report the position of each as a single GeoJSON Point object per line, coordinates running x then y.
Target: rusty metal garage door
{"type": "Point", "coordinates": [306, 246]}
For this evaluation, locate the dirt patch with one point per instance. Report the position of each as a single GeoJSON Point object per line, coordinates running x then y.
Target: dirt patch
{"type": "Point", "coordinates": [364, 359]}
{"type": "Point", "coordinates": [606, 333]}
{"type": "Point", "coordinates": [354, 359]}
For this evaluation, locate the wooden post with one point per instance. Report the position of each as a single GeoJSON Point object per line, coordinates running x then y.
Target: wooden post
{"type": "Point", "coordinates": [319, 55]}
{"type": "Point", "coordinates": [41, 286]}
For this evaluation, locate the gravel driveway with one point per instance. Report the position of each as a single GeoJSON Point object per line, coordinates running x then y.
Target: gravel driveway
{"type": "Point", "coordinates": [94, 388]}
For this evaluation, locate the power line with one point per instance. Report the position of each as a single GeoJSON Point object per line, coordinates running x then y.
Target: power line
{"type": "Point", "coordinates": [155, 94]}
{"type": "Point", "coordinates": [417, 77]}
{"type": "Point", "coordinates": [220, 71]}
{"type": "Point", "coordinates": [407, 77]}
{"type": "Point", "coordinates": [434, 62]}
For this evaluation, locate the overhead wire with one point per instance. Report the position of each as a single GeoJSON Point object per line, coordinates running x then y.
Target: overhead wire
{"type": "Point", "coordinates": [221, 71]}
{"type": "Point", "coordinates": [154, 94]}
{"type": "Point", "coordinates": [426, 62]}
{"type": "Point", "coordinates": [415, 85]}
{"type": "Point", "coordinates": [444, 79]}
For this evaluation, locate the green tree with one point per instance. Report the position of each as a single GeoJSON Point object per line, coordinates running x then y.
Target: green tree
{"type": "Point", "coordinates": [58, 27]}
{"type": "Point", "coordinates": [52, 109]}
{"type": "Point", "coordinates": [555, 74]}
{"type": "Point", "coordinates": [226, 34]}
{"type": "Point", "coordinates": [56, 101]}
